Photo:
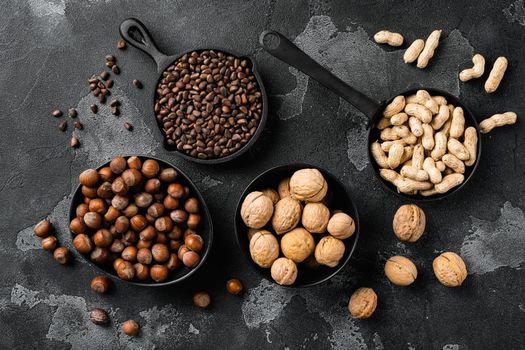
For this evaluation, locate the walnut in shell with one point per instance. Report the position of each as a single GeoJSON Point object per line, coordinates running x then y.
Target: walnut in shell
{"type": "Point", "coordinates": [315, 217]}
{"type": "Point", "coordinates": [264, 248]}
{"type": "Point", "coordinates": [272, 194]}
{"type": "Point", "coordinates": [286, 215]}
{"type": "Point", "coordinates": [256, 209]}
{"type": "Point", "coordinates": [308, 185]}
{"type": "Point", "coordinates": [362, 303]}
{"type": "Point", "coordinates": [450, 269]}
{"type": "Point", "coordinates": [409, 223]}
{"type": "Point", "coordinates": [284, 188]}
{"type": "Point", "coordinates": [341, 225]}
{"type": "Point", "coordinates": [251, 232]}
{"type": "Point", "coordinates": [284, 271]}
{"type": "Point", "coordinates": [297, 244]}
{"type": "Point", "coordinates": [400, 270]}
{"type": "Point", "coordinates": [329, 251]}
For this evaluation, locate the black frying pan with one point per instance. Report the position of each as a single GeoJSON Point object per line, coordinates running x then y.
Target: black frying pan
{"type": "Point", "coordinates": [282, 48]}
{"type": "Point", "coordinates": [137, 35]}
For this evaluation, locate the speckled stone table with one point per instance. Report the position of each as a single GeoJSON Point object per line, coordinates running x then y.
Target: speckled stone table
{"type": "Point", "coordinates": [48, 49]}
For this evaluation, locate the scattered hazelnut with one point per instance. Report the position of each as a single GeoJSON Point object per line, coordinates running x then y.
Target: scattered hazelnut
{"type": "Point", "coordinates": [264, 248]}
{"type": "Point", "coordinates": [409, 223]}
{"type": "Point", "coordinates": [89, 177]}
{"type": "Point", "coordinates": [308, 185]}
{"type": "Point", "coordinates": [131, 177]}
{"type": "Point", "coordinates": [256, 210]}
{"type": "Point", "coordinates": [159, 273]}
{"type": "Point", "coordinates": [129, 253]}
{"type": "Point", "coordinates": [118, 165]}
{"type": "Point", "coordinates": [61, 255]}
{"type": "Point", "coordinates": [49, 243]}
{"type": "Point", "coordinates": [99, 284]}
{"type": "Point", "coordinates": [286, 215]}
{"type": "Point", "coordinates": [160, 253]}
{"type": "Point", "coordinates": [272, 194]}
{"type": "Point", "coordinates": [363, 303]}
{"type": "Point", "coordinates": [150, 168]}
{"type": "Point", "coordinates": [284, 188]}
{"type": "Point", "coordinates": [297, 244]}
{"type": "Point", "coordinates": [194, 242]}
{"type": "Point", "coordinates": [315, 217]}
{"type": "Point", "coordinates": [134, 162]}
{"type": "Point", "coordinates": [130, 328]}
{"type": "Point", "coordinates": [341, 226]}
{"type": "Point", "coordinates": [234, 286]}
{"type": "Point", "coordinates": [93, 220]}
{"type": "Point", "coordinates": [182, 250]}
{"type": "Point", "coordinates": [168, 175]}
{"type": "Point", "coordinates": [191, 259]}
{"type": "Point", "coordinates": [99, 317]}
{"type": "Point", "coordinates": [43, 228]}
{"type": "Point", "coordinates": [400, 271]}
{"type": "Point", "coordinates": [202, 299]}
{"type": "Point", "coordinates": [284, 271]}
{"type": "Point", "coordinates": [450, 269]}
{"type": "Point", "coordinates": [141, 271]}
{"type": "Point", "coordinates": [125, 270]}
{"type": "Point", "coordinates": [176, 190]}
{"type": "Point", "coordinates": [83, 243]}
{"type": "Point", "coordinates": [329, 251]}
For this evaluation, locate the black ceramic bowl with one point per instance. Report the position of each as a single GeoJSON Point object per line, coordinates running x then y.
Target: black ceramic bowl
{"type": "Point", "coordinates": [205, 230]}
{"type": "Point", "coordinates": [337, 199]}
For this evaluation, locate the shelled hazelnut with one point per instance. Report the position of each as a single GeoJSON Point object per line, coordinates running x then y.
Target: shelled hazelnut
{"type": "Point", "coordinates": [130, 328]}
{"type": "Point", "coordinates": [49, 243]}
{"type": "Point", "coordinates": [234, 286]}
{"type": "Point", "coordinates": [99, 284]}
{"type": "Point", "coordinates": [43, 229]}
{"type": "Point", "coordinates": [202, 299]}
{"type": "Point", "coordinates": [99, 317]}
{"type": "Point", "coordinates": [61, 255]}
{"type": "Point", "coordinates": [159, 273]}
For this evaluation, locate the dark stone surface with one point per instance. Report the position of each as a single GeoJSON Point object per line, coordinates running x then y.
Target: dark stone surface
{"type": "Point", "coordinates": [48, 48]}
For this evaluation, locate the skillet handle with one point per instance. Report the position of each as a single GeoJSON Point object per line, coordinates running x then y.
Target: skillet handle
{"type": "Point", "coordinates": [130, 25]}
{"type": "Point", "coordinates": [282, 48]}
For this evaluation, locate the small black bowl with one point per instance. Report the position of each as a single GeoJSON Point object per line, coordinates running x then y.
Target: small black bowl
{"type": "Point", "coordinates": [205, 231]}
{"type": "Point", "coordinates": [337, 199]}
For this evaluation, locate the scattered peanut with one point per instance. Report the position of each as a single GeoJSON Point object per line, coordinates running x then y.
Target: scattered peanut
{"type": "Point", "coordinates": [387, 37]}
{"type": "Point", "coordinates": [476, 71]}
{"type": "Point", "coordinates": [413, 51]}
{"type": "Point", "coordinates": [496, 74]}
{"type": "Point", "coordinates": [431, 44]}
{"type": "Point", "coordinates": [497, 120]}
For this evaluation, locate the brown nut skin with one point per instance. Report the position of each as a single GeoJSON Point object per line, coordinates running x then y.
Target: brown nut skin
{"type": "Point", "coordinates": [102, 238]}
{"type": "Point", "coordinates": [89, 177]}
{"type": "Point", "coordinates": [144, 256]}
{"type": "Point", "coordinates": [191, 205]}
{"type": "Point", "coordinates": [138, 223]}
{"type": "Point", "coordinates": [49, 243]}
{"type": "Point", "coordinates": [264, 248]}
{"type": "Point", "coordinates": [363, 303]}
{"type": "Point", "coordinates": [329, 251]}
{"type": "Point", "coordinates": [150, 168]}
{"type": "Point", "coordinates": [93, 220]}
{"type": "Point", "coordinates": [341, 226]}
{"type": "Point", "coordinates": [100, 255]}
{"type": "Point", "coordinates": [286, 215]}
{"type": "Point", "coordinates": [130, 328]}
{"type": "Point", "coordinates": [272, 194]}
{"type": "Point", "coordinates": [315, 217]}
{"type": "Point", "coordinates": [168, 175]}
{"type": "Point", "coordinates": [89, 192]}
{"type": "Point", "coordinates": [193, 221]}
{"type": "Point", "coordinates": [409, 223]}
{"type": "Point", "coordinates": [77, 226]}
{"type": "Point", "coordinates": [308, 185]}
{"type": "Point", "coordinates": [99, 317]}
{"type": "Point", "coordinates": [131, 210]}
{"type": "Point", "coordinates": [117, 246]}
{"type": "Point", "coordinates": [152, 186]}
{"type": "Point", "coordinates": [83, 243]}
{"type": "Point", "coordinates": [111, 214]}
{"type": "Point", "coordinates": [125, 270]}
{"type": "Point", "coordinates": [284, 271]}
{"type": "Point", "coordinates": [160, 253]}
{"type": "Point", "coordinates": [134, 162]}
{"type": "Point", "coordinates": [202, 299]}
{"type": "Point", "coordinates": [141, 271]}
{"type": "Point", "coordinates": [143, 199]}
{"type": "Point", "coordinates": [122, 224]}
{"type": "Point", "coordinates": [61, 255]}
{"type": "Point", "coordinates": [400, 271]}
{"type": "Point", "coordinates": [118, 165]}
{"type": "Point", "coordinates": [297, 244]}
{"type": "Point", "coordinates": [450, 269]}
{"type": "Point", "coordinates": [176, 190]}
{"type": "Point", "coordinates": [163, 224]}
{"type": "Point", "coordinates": [170, 203]}
{"type": "Point", "coordinates": [81, 210]}
{"type": "Point", "coordinates": [131, 177]}
{"type": "Point", "coordinates": [99, 284]}
{"type": "Point", "coordinates": [283, 188]}
{"type": "Point", "coordinates": [120, 202]}
{"type": "Point", "coordinates": [106, 174]}
{"type": "Point", "coordinates": [173, 262]}
{"type": "Point", "coordinates": [191, 259]}
{"type": "Point", "coordinates": [148, 234]}
{"type": "Point", "coordinates": [194, 242]}
{"type": "Point", "coordinates": [129, 253]}
{"type": "Point", "coordinates": [159, 273]}
{"type": "Point", "coordinates": [43, 229]}
{"type": "Point", "coordinates": [104, 190]}
{"type": "Point", "coordinates": [256, 210]}
{"type": "Point", "coordinates": [234, 286]}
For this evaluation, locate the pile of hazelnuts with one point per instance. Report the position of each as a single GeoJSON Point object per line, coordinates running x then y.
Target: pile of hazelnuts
{"type": "Point", "coordinates": [44, 229]}
{"type": "Point", "coordinates": [136, 216]}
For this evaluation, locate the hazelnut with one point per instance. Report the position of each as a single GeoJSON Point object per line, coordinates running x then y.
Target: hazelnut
{"type": "Point", "coordinates": [99, 317]}
{"type": "Point", "coordinates": [158, 273]}
{"type": "Point", "coordinates": [272, 194]}
{"type": "Point", "coordinates": [61, 255]}
{"type": "Point", "coordinates": [409, 223]}
{"type": "Point", "coordinates": [202, 299]}
{"type": "Point", "coordinates": [163, 224]}
{"type": "Point", "coordinates": [308, 185]}
{"type": "Point", "coordinates": [119, 186]}
{"type": "Point", "coordinates": [150, 168]}
{"type": "Point", "coordinates": [234, 286]}
{"type": "Point", "coordinates": [155, 210]}
{"type": "Point", "coordinates": [363, 303]}
{"type": "Point", "coordinates": [143, 199]}
{"type": "Point", "coordinates": [193, 221]}
{"type": "Point", "coordinates": [329, 251]}
{"type": "Point", "coordinates": [176, 233]}
{"type": "Point", "coordinates": [264, 248]}
{"type": "Point", "coordinates": [170, 203]}
{"type": "Point", "coordinates": [138, 223]}
{"type": "Point", "coordinates": [100, 255]}
{"type": "Point", "coordinates": [174, 245]}
{"type": "Point", "coordinates": [117, 262]}
{"type": "Point", "coordinates": [102, 238]}
{"type": "Point", "coordinates": [99, 284]}
{"type": "Point", "coordinates": [125, 270]}
{"type": "Point", "coordinates": [105, 190]}
{"type": "Point", "coordinates": [256, 210]}
{"type": "Point", "coordinates": [141, 271]}
{"type": "Point", "coordinates": [160, 252]}
{"type": "Point", "coordinates": [400, 271]}
{"type": "Point", "coordinates": [297, 244]}
{"type": "Point", "coordinates": [152, 186]}
{"type": "Point", "coordinates": [132, 177]}
{"type": "Point", "coordinates": [43, 228]}
{"type": "Point", "coordinates": [120, 202]}
{"type": "Point", "coordinates": [117, 246]}
{"type": "Point", "coordinates": [122, 224]}
{"type": "Point", "coordinates": [283, 188]}
{"type": "Point", "coordinates": [105, 174]}
{"type": "Point", "coordinates": [111, 214]}
{"type": "Point", "coordinates": [89, 177]}
{"type": "Point", "coordinates": [194, 242]}
{"type": "Point", "coordinates": [130, 211]}
{"type": "Point", "coordinates": [144, 244]}
{"type": "Point", "coordinates": [118, 165]}
{"type": "Point", "coordinates": [129, 238]}
{"type": "Point", "coordinates": [81, 210]}
{"type": "Point", "coordinates": [286, 215]}
{"type": "Point", "coordinates": [315, 217]}
{"type": "Point", "coordinates": [129, 253]}
{"type": "Point", "coordinates": [191, 205]}
{"type": "Point", "coordinates": [89, 192]}
{"type": "Point", "coordinates": [83, 243]}
{"type": "Point", "coordinates": [150, 219]}
{"type": "Point", "coordinates": [77, 226]}
{"type": "Point", "coordinates": [176, 190]}
{"type": "Point", "coordinates": [86, 199]}
{"type": "Point", "coordinates": [188, 232]}
{"type": "Point", "coordinates": [179, 216]}
{"type": "Point", "coordinates": [341, 226]}
{"type": "Point", "coordinates": [134, 162]}
{"type": "Point", "coordinates": [182, 250]}
{"type": "Point", "coordinates": [173, 262]}
{"type": "Point", "coordinates": [191, 259]}
{"type": "Point", "coordinates": [130, 328]}
{"type": "Point", "coordinates": [144, 256]}
{"type": "Point", "coordinates": [284, 271]}
{"type": "Point", "coordinates": [168, 175]}
{"type": "Point", "coordinates": [449, 269]}
{"type": "Point", "coordinates": [148, 234]}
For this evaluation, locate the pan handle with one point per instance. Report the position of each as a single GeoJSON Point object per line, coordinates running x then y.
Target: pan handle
{"type": "Point", "coordinates": [282, 48]}
{"type": "Point", "coordinates": [142, 40]}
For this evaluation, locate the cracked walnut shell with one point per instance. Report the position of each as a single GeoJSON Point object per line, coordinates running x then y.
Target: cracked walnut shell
{"type": "Point", "coordinates": [409, 223]}
{"type": "Point", "coordinates": [315, 217]}
{"type": "Point", "coordinates": [297, 244]}
{"type": "Point", "coordinates": [400, 270]}
{"type": "Point", "coordinates": [450, 269]}
{"type": "Point", "coordinates": [256, 210]}
{"type": "Point", "coordinates": [264, 248]}
{"type": "Point", "coordinates": [329, 251]}
{"type": "Point", "coordinates": [363, 303]}
{"type": "Point", "coordinates": [341, 225]}
{"type": "Point", "coordinates": [284, 271]}
{"type": "Point", "coordinates": [308, 185]}
{"type": "Point", "coordinates": [286, 215]}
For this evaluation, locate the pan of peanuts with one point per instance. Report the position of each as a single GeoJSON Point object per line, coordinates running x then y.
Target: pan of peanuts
{"type": "Point", "coordinates": [423, 144]}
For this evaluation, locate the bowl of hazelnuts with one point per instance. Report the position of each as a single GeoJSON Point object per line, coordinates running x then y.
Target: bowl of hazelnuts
{"type": "Point", "coordinates": [141, 220]}
{"type": "Point", "coordinates": [297, 225]}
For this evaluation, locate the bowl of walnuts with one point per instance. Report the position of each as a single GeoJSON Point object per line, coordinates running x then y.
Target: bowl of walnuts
{"type": "Point", "coordinates": [141, 220]}
{"type": "Point", "coordinates": [297, 225]}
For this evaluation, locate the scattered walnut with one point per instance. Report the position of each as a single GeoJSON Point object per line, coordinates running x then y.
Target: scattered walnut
{"type": "Point", "coordinates": [315, 217]}
{"type": "Point", "coordinates": [308, 185]}
{"type": "Point", "coordinates": [284, 188]}
{"type": "Point", "coordinates": [363, 303]}
{"type": "Point", "coordinates": [286, 215]}
{"type": "Point", "coordinates": [329, 251]}
{"type": "Point", "coordinates": [264, 248]}
{"type": "Point", "coordinates": [297, 244]}
{"type": "Point", "coordinates": [409, 222]}
{"type": "Point", "coordinates": [341, 225]}
{"type": "Point", "coordinates": [284, 271]}
{"type": "Point", "coordinates": [400, 271]}
{"type": "Point", "coordinates": [450, 269]}
{"type": "Point", "coordinates": [256, 210]}
{"type": "Point", "coordinates": [272, 194]}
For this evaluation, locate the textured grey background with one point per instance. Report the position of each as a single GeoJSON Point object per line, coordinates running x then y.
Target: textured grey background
{"type": "Point", "coordinates": [48, 48]}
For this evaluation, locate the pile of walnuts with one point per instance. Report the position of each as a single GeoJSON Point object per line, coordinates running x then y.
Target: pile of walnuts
{"type": "Point", "coordinates": [295, 221]}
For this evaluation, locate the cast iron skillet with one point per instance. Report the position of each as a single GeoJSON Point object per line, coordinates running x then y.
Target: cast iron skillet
{"type": "Point", "coordinates": [338, 198]}
{"type": "Point", "coordinates": [282, 48]}
{"type": "Point", "coordinates": [205, 230]}
{"type": "Point", "coordinates": [136, 34]}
